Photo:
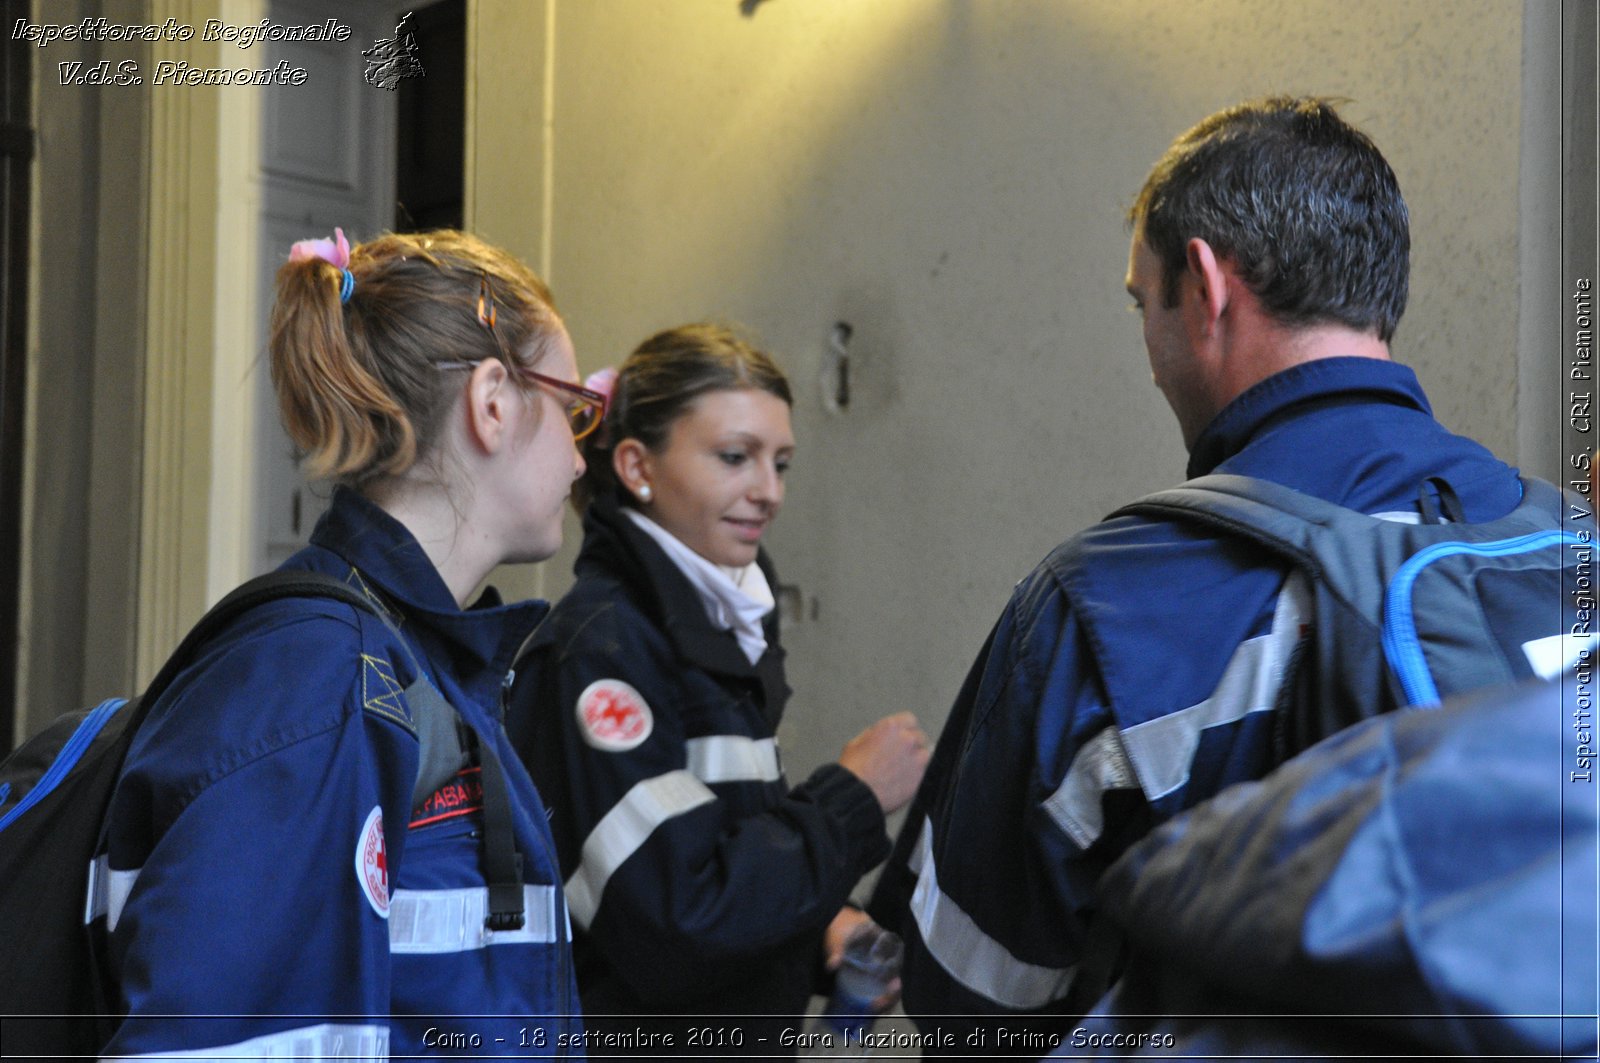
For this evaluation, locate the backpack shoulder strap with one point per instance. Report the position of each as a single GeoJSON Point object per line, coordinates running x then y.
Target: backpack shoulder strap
{"type": "Point", "coordinates": [1542, 496]}
{"type": "Point", "coordinates": [435, 719]}
{"type": "Point", "coordinates": [445, 740]}
{"type": "Point", "coordinates": [248, 595]}
{"type": "Point", "coordinates": [1278, 517]}
{"type": "Point", "coordinates": [1318, 534]}
{"type": "Point", "coordinates": [1270, 511]}
{"type": "Point", "coordinates": [439, 726]}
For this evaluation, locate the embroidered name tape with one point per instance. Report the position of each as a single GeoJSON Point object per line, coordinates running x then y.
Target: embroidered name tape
{"type": "Point", "coordinates": [461, 796]}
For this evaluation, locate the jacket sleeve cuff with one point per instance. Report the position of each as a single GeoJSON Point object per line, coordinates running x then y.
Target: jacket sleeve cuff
{"type": "Point", "coordinates": [850, 801]}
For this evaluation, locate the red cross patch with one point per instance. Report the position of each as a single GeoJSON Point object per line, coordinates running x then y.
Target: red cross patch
{"type": "Point", "coordinates": [372, 863]}
{"type": "Point", "coordinates": [613, 715]}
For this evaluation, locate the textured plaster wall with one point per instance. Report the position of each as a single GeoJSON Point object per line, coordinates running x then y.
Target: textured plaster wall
{"type": "Point", "coordinates": [950, 178]}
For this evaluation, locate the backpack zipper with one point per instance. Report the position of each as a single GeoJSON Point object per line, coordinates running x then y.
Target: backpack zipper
{"type": "Point", "coordinates": [66, 758]}
{"type": "Point", "coordinates": [1400, 642]}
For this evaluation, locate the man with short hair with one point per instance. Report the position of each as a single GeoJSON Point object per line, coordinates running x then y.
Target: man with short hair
{"type": "Point", "coordinates": [1138, 670]}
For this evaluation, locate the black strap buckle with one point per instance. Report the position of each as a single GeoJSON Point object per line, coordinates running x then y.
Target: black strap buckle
{"type": "Point", "coordinates": [499, 921]}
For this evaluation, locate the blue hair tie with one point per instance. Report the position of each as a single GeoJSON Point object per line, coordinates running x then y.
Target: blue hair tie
{"type": "Point", "coordinates": [346, 286]}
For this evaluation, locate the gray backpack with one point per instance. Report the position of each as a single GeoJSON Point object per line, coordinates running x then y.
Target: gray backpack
{"type": "Point", "coordinates": [1408, 614]}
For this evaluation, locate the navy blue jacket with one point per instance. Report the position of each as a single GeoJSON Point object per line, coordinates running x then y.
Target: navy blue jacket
{"type": "Point", "coordinates": [699, 879]}
{"type": "Point", "coordinates": [265, 867]}
{"type": "Point", "coordinates": [1134, 673]}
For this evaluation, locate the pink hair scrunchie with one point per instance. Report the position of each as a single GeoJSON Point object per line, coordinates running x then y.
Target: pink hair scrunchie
{"type": "Point", "coordinates": [335, 252]}
{"type": "Point", "coordinates": [603, 381]}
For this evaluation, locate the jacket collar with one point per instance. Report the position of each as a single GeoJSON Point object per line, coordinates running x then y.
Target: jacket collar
{"type": "Point", "coordinates": [391, 566]}
{"type": "Point", "coordinates": [613, 544]}
{"type": "Point", "coordinates": [1232, 429]}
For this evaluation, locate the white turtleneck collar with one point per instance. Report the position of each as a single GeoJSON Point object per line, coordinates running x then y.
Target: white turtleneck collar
{"type": "Point", "coordinates": [735, 599]}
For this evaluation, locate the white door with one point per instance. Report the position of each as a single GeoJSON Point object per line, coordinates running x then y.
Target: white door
{"type": "Point", "coordinates": [327, 160]}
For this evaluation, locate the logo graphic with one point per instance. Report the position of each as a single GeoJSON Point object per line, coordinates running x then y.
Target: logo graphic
{"type": "Point", "coordinates": [393, 59]}
{"type": "Point", "coordinates": [614, 716]}
{"type": "Point", "coordinates": [372, 863]}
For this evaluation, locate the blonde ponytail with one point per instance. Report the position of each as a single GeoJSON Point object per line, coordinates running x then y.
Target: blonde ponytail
{"type": "Point", "coordinates": [336, 411]}
{"type": "Point", "coordinates": [357, 387]}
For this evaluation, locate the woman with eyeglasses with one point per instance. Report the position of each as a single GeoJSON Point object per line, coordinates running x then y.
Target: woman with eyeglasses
{"type": "Point", "coordinates": [701, 882]}
{"type": "Point", "coordinates": [283, 875]}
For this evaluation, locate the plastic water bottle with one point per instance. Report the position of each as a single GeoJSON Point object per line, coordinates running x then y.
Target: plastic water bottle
{"type": "Point", "coordinates": [871, 961]}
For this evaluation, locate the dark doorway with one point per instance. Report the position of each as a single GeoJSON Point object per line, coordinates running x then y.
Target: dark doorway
{"type": "Point", "coordinates": [430, 133]}
{"type": "Point", "coordinates": [16, 157]}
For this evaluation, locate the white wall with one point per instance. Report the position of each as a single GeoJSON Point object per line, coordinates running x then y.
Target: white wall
{"type": "Point", "coordinates": [950, 177]}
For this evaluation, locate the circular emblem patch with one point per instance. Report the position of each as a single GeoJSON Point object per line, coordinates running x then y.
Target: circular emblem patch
{"type": "Point", "coordinates": [613, 715]}
{"type": "Point", "coordinates": [372, 863]}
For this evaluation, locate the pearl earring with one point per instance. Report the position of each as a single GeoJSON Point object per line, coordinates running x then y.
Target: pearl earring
{"type": "Point", "coordinates": [644, 492]}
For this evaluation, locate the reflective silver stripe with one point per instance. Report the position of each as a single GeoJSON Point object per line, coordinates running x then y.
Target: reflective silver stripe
{"type": "Point", "coordinates": [108, 892]}
{"type": "Point", "coordinates": [623, 829]}
{"type": "Point", "coordinates": [1100, 765]}
{"type": "Point", "coordinates": [435, 921]}
{"type": "Point", "coordinates": [326, 1041]}
{"type": "Point", "coordinates": [1162, 749]}
{"type": "Point", "coordinates": [733, 758]}
{"type": "Point", "coordinates": [970, 956]}
{"type": "Point", "coordinates": [1554, 654]}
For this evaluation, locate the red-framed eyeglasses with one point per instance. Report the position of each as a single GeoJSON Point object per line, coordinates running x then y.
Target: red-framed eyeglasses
{"type": "Point", "coordinates": [585, 407]}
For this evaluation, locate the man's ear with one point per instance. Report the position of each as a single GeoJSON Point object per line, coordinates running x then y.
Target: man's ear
{"type": "Point", "coordinates": [1213, 279]}
{"type": "Point", "coordinates": [490, 393]}
{"type": "Point", "coordinates": [630, 460]}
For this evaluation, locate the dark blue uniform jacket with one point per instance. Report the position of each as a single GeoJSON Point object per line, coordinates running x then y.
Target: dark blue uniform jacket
{"type": "Point", "coordinates": [700, 880]}
{"type": "Point", "coordinates": [268, 888]}
{"type": "Point", "coordinates": [1134, 673]}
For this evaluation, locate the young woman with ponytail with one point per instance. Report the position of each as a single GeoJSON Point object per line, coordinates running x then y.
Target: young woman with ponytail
{"type": "Point", "coordinates": [271, 885]}
{"type": "Point", "coordinates": [701, 883]}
